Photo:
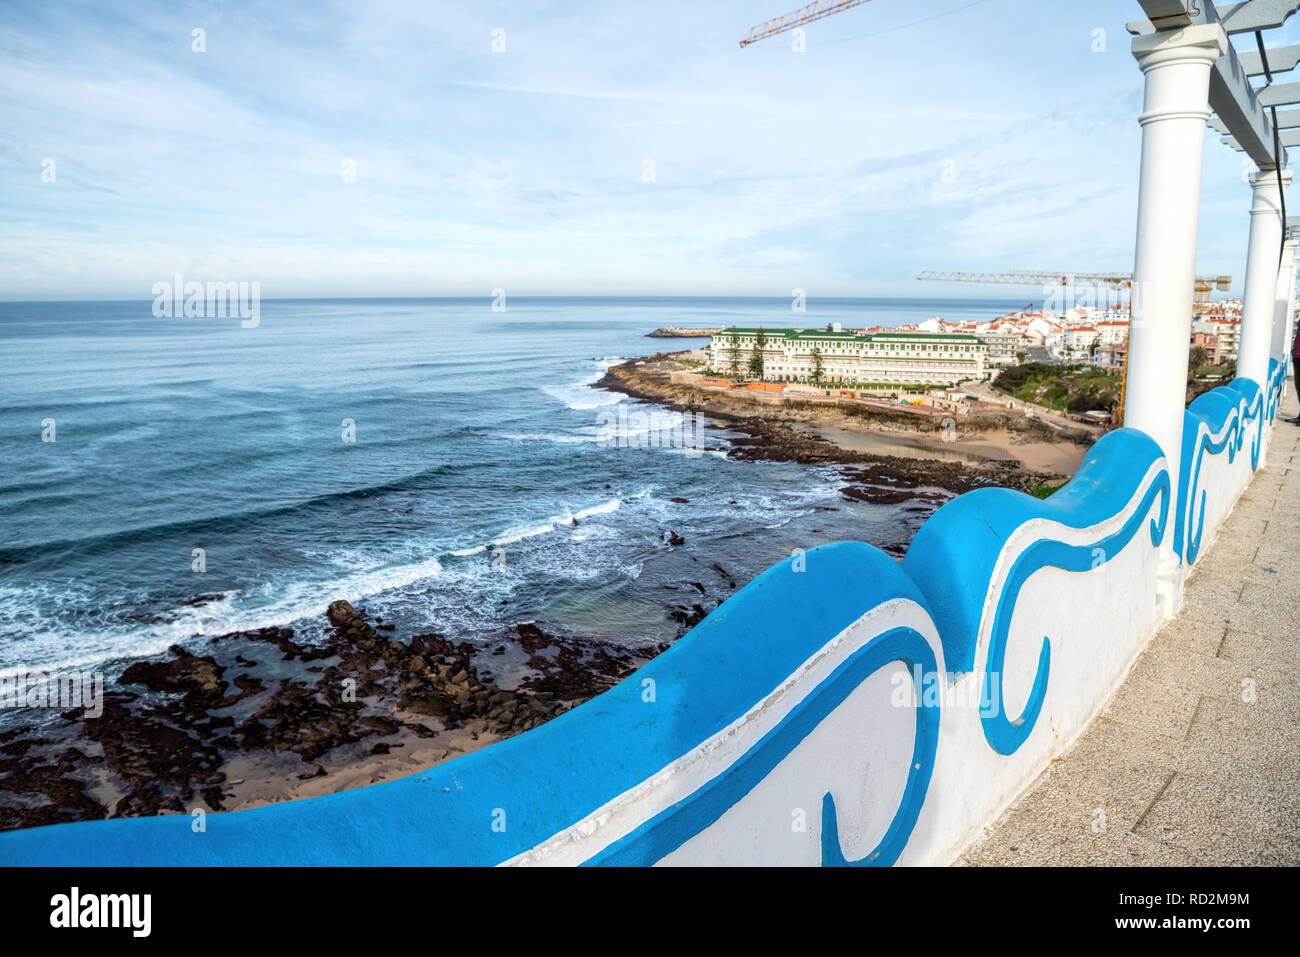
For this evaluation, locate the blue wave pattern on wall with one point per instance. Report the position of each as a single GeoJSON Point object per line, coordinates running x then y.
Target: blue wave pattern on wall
{"type": "Point", "coordinates": [1006, 736]}
{"type": "Point", "coordinates": [555, 776]}
{"type": "Point", "coordinates": [1226, 413]}
{"type": "Point", "coordinates": [673, 827]}
{"type": "Point", "coordinates": [1276, 384]}
{"type": "Point", "coordinates": [955, 554]}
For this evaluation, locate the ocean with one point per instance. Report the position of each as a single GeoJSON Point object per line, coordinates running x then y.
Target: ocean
{"type": "Point", "coordinates": [433, 461]}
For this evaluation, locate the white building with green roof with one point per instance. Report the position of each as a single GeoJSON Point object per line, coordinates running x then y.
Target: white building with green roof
{"type": "Point", "coordinates": [903, 358]}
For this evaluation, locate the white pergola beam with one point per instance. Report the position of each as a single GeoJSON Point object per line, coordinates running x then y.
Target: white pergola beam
{"type": "Point", "coordinates": [1280, 94]}
{"type": "Point", "coordinates": [1231, 95]}
{"type": "Point", "coordinates": [1256, 15]}
{"type": "Point", "coordinates": [1286, 120]}
{"type": "Point", "coordinates": [1232, 98]}
{"type": "Point", "coordinates": [1280, 60]}
{"type": "Point", "coordinates": [1236, 17]}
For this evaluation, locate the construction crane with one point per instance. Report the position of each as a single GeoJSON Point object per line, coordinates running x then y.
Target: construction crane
{"type": "Point", "coordinates": [1022, 277]}
{"type": "Point", "coordinates": [1025, 277]}
{"type": "Point", "coordinates": [805, 14]}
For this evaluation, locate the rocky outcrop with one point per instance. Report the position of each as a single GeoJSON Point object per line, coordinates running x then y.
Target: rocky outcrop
{"type": "Point", "coordinates": [437, 677]}
{"type": "Point", "coordinates": [675, 332]}
{"type": "Point", "coordinates": [768, 435]}
{"type": "Point", "coordinates": [171, 726]}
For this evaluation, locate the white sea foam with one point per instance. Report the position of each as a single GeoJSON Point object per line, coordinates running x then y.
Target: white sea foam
{"type": "Point", "coordinates": [603, 509]}
{"type": "Point", "coordinates": [696, 453]}
{"type": "Point", "coordinates": [466, 552]}
{"type": "Point", "coordinates": [270, 605]}
{"type": "Point", "coordinates": [563, 438]}
{"type": "Point", "coordinates": [580, 396]}
{"type": "Point", "coordinates": [519, 533]}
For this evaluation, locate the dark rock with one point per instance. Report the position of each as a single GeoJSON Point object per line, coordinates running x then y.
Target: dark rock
{"type": "Point", "coordinates": [185, 673]}
{"type": "Point", "coordinates": [341, 613]}
{"type": "Point", "coordinates": [876, 496]}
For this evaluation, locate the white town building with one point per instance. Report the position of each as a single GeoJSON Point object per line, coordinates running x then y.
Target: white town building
{"type": "Point", "coordinates": [904, 358]}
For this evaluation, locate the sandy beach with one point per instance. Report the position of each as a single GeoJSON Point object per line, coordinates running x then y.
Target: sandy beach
{"type": "Point", "coordinates": [1051, 458]}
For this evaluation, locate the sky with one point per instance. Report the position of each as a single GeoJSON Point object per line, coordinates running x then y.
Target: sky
{"type": "Point", "coordinates": [573, 148]}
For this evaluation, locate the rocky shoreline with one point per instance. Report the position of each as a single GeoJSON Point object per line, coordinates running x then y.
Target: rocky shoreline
{"type": "Point", "coordinates": [253, 717]}
{"type": "Point", "coordinates": [769, 434]}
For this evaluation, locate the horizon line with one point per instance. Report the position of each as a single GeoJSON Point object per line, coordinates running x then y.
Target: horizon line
{"type": "Point", "coordinates": [526, 296]}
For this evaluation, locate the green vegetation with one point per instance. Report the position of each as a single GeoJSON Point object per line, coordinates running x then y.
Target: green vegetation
{"type": "Point", "coordinates": [1219, 371]}
{"type": "Point", "coordinates": [1072, 388]}
{"type": "Point", "coordinates": [1203, 376]}
{"type": "Point", "coordinates": [756, 355]}
{"type": "Point", "coordinates": [817, 365]}
{"type": "Point", "coordinates": [1081, 388]}
{"type": "Point", "coordinates": [1043, 490]}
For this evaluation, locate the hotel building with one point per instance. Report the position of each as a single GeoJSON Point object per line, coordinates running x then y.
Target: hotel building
{"type": "Point", "coordinates": [904, 358]}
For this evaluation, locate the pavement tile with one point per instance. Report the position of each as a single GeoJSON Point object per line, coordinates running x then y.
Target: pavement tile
{"type": "Point", "coordinates": [1260, 652]}
{"type": "Point", "coordinates": [1188, 637]}
{"type": "Point", "coordinates": [1164, 709]}
{"type": "Point", "coordinates": [1212, 823]}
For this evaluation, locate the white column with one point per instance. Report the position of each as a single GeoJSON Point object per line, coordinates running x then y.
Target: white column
{"type": "Point", "coordinates": [1262, 269]}
{"type": "Point", "coordinates": [1176, 65]}
{"type": "Point", "coordinates": [1281, 342]}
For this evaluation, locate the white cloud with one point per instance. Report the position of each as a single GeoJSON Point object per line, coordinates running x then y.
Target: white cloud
{"type": "Point", "coordinates": [475, 169]}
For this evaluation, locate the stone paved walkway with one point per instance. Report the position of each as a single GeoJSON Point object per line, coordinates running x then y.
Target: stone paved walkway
{"type": "Point", "coordinates": [1180, 768]}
